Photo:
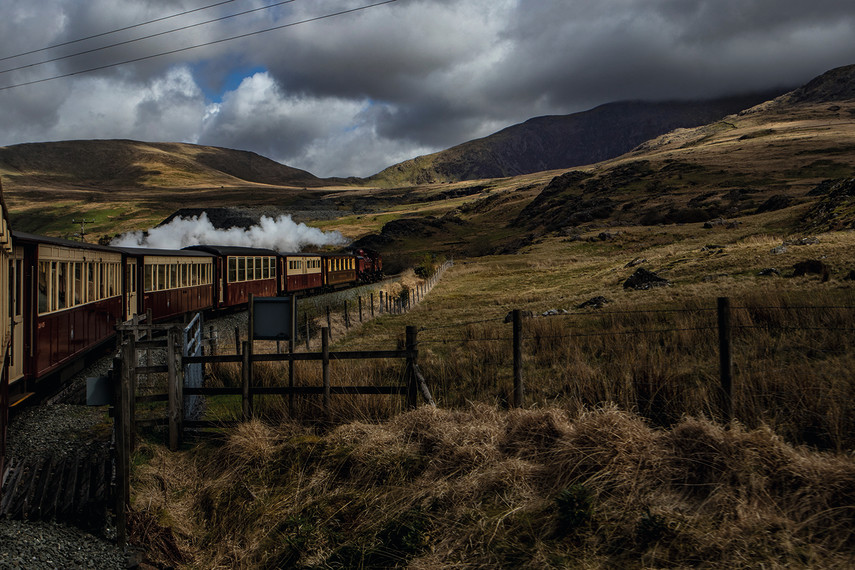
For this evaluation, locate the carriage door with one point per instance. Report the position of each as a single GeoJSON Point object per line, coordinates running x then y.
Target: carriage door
{"type": "Point", "coordinates": [16, 312]}
{"type": "Point", "coordinates": [131, 288]}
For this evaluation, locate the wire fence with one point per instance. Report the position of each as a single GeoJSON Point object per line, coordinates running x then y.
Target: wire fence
{"type": "Point", "coordinates": [772, 363]}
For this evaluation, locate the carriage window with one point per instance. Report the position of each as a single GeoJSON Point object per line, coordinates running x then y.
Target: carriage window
{"type": "Point", "coordinates": [232, 269]}
{"type": "Point", "coordinates": [147, 274]}
{"type": "Point", "coordinates": [133, 277]}
{"type": "Point", "coordinates": [62, 284]}
{"type": "Point", "coordinates": [19, 284]}
{"type": "Point", "coordinates": [241, 268]}
{"type": "Point", "coordinates": [90, 282]}
{"type": "Point", "coordinates": [43, 286]}
{"type": "Point", "coordinates": [78, 284]}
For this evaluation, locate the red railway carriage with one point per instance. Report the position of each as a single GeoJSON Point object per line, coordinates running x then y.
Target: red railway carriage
{"type": "Point", "coordinates": [241, 272]}
{"type": "Point", "coordinates": [169, 282]}
{"type": "Point", "coordinates": [369, 265]}
{"type": "Point", "coordinates": [6, 264]}
{"type": "Point", "coordinates": [339, 270]}
{"type": "Point", "coordinates": [300, 272]}
{"type": "Point", "coordinates": [70, 299]}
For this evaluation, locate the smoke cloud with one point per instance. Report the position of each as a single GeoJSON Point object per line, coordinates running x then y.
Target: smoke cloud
{"type": "Point", "coordinates": [281, 234]}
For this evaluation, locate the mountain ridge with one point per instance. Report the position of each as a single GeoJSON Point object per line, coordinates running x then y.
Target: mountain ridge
{"type": "Point", "coordinates": [564, 141]}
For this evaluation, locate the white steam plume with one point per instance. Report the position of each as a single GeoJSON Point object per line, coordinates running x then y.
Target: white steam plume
{"type": "Point", "coordinates": [281, 234]}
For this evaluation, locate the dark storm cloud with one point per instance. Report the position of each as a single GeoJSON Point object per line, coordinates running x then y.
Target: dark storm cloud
{"type": "Point", "coordinates": [353, 94]}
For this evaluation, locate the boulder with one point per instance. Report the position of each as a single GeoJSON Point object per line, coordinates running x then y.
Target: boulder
{"type": "Point", "coordinates": [643, 279]}
{"type": "Point", "coordinates": [769, 272]}
{"type": "Point", "coordinates": [635, 262]}
{"type": "Point", "coordinates": [778, 250]}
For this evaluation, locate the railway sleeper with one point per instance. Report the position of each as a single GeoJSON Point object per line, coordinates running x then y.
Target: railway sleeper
{"type": "Point", "coordinates": [70, 489]}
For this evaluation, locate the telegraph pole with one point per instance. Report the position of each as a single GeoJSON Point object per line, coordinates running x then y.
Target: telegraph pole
{"type": "Point", "coordinates": [83, 223]}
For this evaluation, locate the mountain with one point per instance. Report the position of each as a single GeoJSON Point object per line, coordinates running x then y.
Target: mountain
{"type": "Point", "coordinates": [784, 152]}
{"type": "Point", "coordinates": [553, 142]}
{"type": "Point", "coordinates": [128, 164]}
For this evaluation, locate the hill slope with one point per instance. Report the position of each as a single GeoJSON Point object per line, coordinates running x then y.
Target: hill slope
{"type": "Point", "coordinates": [125, 163]}
{"type": "Point", "coordinates": [552, 142]}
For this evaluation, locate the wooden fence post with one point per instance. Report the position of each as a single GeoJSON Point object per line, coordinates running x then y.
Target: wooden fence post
{"type": "Point", "coordinates": [372, 304]}
{"type": "Point", "coordinates": [307, 332]}
{"type": "Point", "coordinates": [412, 362]}
{"type": "Point", "coordinates": [380, 308]}
{"type": "Point", "coordinates": [237, 340]}
{"type": "Point", "coordinates": [329, 322]}
{"type": "Point", "coordinates": [359, 299]}
{"type": "Point", "coordinates": [247, 379]}
{"type": "Point", "coordinates": [132, 380]}
{"type": "Point", "coordinates": [519, 389]}
{"type": "Point", "coordinates": [175, 391]}
{"type": "Point", "coordinates": [725, 357]}
{"type": "Point", "coordinates": [123, 445]}
{"type": "Point", "coordinates": [346, 316]}
{"type": "Point", "coordinates": [325, 367]}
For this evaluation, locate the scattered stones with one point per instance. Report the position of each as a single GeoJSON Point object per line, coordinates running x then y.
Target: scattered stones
{"type": "Point", "coordinates": [811, 267]}
{"type": "Point", "coordinates": [769, 272]}
{"type": "Point", "coordinates": [778, 250]}
{"type": "Point", "coordinates": [803, 241]}
{"type": "Point", "coordinates": [643, 279]}
{"type": "Point", "coordinates": [594, 303]}
{"type": "Point", "coordinates": [635, 262]}
{"type": "Point", "coordinates": [554, 312]}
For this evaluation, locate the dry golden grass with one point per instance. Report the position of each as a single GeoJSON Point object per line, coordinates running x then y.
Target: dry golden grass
{"type": "Point", "coordinates": [485, 488]}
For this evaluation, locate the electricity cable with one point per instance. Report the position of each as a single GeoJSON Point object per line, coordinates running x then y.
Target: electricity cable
{"type": "Point", "coordinates": [148, 37]}
{"type": "Point", "coordinates": [117, 30]}
{"type": "Point", "coordinates": [188, 48]}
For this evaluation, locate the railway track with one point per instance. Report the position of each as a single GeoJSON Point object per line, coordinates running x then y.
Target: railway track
{"type": "Point", "coordinates": [70, 488]}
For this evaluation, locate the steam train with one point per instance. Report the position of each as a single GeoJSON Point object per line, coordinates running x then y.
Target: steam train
{"type": "Point", "coordinates": [64, 298]}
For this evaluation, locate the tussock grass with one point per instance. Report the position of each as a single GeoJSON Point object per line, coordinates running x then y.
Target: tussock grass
{"type": "Point", "coordinates": [482, 487]}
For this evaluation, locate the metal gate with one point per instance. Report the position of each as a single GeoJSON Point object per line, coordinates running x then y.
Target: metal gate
{"type": "Point", "coordinates": [191, 342]}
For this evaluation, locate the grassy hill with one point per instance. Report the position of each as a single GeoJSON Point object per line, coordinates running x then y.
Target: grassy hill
{"type": "Point", "coordinates": [779, 155]}
{"type": "Point", "coordinates": [123, 185]}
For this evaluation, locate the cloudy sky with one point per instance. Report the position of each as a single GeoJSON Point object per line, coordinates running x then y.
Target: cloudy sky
{"type": "Point", "coordinates": [350, 94]}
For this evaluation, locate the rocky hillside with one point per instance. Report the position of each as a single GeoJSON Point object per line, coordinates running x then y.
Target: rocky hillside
{"type": "Point", "coordinates": [553, 142]}
{"type": "Point", "coordinates": [778, 154]}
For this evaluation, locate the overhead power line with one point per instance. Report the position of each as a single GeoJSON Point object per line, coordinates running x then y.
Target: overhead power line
{"type": "Point", "coordinates": [102, 34]}
{"type": "Point", "coordinates": [188, 48]}
{"type": "Point", "coordinates": [148, 37]}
